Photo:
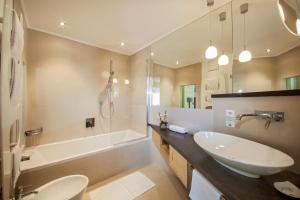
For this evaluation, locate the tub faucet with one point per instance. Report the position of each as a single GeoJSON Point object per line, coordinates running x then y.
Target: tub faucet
{"type": "Point", "coordinates": [269, 116]}
{"type": "Point", "coordinates": [19, 192]}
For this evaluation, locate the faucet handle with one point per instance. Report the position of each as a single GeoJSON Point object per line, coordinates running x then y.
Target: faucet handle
{"type": "Point", "coordinates": [278, 116]}
{"type": "Point", "coordinates": [19, 191]}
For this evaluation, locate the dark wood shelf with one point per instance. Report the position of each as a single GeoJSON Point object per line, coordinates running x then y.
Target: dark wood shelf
{"type": "Point", "coordinates": [259, 94]}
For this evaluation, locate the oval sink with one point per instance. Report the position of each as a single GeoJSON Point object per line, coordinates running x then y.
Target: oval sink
{"type": "Point", "coordinates": [65, 188]}
{"type": "Point", "coordinates": [243, 156]}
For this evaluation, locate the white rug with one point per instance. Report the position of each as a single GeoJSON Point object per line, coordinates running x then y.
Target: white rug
{"type": "Point", "coordinates": [126, 188]}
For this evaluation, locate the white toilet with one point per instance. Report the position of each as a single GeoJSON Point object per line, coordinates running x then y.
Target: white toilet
{"type": "Point", "coordinates": [65, 188]}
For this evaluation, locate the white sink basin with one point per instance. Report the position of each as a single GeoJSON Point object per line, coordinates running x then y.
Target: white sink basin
{"type": "Point", "coordinates": [65, 188]}
{"type": "Point", "coordinates": [243, 156]}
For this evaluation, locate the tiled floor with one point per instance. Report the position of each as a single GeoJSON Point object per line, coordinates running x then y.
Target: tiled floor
{"type": "Point", "coordinates": [167, 185]}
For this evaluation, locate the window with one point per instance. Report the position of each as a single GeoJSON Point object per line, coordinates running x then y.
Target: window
{"type": "Point", "coordinates": [188, 96]}
{"type": "Point", "coordinates": [293, 83]}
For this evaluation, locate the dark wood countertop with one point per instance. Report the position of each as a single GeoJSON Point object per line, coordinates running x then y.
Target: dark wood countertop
{"type": "Point", "coordinates": [259, 94]}
{"type": "Point", "coordinates": [231, 184]}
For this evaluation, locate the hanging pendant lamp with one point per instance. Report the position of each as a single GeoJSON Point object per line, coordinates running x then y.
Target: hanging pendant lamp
{"type": "Point", "coordinates": [245, 55]}
{"type": "Point", "coordinates": [223, 59]}
{"type": "Point", "coordinates": [211, 52]}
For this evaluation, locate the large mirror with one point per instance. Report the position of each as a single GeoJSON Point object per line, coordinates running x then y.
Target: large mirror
{"type": "Point", "coordinates": [241, 46]}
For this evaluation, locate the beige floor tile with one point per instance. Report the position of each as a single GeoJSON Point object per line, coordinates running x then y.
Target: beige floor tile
{"type": "Point", "coordinates": [167, 186]}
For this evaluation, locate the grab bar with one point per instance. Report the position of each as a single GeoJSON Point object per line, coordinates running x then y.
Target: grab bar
{"type": "Point", "coordinates": [34, 132]}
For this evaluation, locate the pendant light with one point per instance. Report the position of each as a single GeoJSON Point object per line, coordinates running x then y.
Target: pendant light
{"type": "Point", "coordinates": [223, 59]}
{"type": "Point", "coordinates": [211, 52]}
{"type": "Point", "coordinates": [245, 55]}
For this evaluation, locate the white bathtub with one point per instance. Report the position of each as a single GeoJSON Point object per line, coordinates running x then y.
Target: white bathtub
{"type": "Point", "coordinates": [56, 153]}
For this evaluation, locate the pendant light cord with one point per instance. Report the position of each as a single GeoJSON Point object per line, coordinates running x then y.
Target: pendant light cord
{"type": "Point", "coordinates": [222, 36]}
{"type": "Point", "coordinates": [244, 31]}
{"type": "Point", "coordinates": [210, 40]}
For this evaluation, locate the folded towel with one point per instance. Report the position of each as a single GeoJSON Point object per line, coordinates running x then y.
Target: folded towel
{"type": "Point", "coordinates": [178, 129]}
{"type": "Point", "coordinates": [202, 189]}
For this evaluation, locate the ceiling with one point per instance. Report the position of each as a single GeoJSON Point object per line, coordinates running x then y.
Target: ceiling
{"type": "Point", "coordinates": [108, 23]}
{"type": "Point", "coordinates": [264, 30]}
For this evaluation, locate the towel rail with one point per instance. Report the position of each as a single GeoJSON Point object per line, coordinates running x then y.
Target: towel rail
{"type": "Point", "coordinates": [34, 132]}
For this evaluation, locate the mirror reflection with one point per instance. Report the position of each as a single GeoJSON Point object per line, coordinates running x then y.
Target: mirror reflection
{"type": "Point", "coordinates": [241, 46]}
{"type": "Point", "coordinates": [289, 11]}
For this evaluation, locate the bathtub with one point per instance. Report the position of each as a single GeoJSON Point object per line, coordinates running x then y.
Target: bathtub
{"type": "Point", "coordinates": [97, 157]}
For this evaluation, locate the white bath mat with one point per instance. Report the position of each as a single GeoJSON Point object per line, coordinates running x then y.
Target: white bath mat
{"type": "Point", "coordinates": [125, 188]}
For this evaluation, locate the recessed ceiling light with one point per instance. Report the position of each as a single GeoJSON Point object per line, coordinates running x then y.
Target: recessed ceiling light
{"type": "Point", "coordinates": [268, 50]}
{"type": "Point", "coordinates": [127, 82]}
{"type": "Point", "coordinates": [62, 24]}
{"type": "Point", "coordinates": [177, 62]}
{"type": "Point", "coordinates": [122, 44]}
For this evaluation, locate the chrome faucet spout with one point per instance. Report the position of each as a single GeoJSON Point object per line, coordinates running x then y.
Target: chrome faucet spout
{"type": "Point", "coordinates": [266, 115]}
{"type": "Point", "coordinates": [240, 117]}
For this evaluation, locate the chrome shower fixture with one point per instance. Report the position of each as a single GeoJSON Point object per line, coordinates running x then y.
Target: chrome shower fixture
{"type": "Point", "coordinates": [210, 3]}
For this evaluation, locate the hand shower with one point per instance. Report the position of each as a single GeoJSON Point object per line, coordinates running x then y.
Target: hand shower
{"type": "Point", "coordinates": [107, 94]}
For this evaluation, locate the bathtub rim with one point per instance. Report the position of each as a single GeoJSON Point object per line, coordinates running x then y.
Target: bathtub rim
{"type": "Point", "coordinates": [81, 155]}
{"type": "Point", "coordinates": [79, 138]}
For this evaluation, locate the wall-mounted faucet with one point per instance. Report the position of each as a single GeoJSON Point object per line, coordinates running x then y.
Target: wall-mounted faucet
{"type": "Point", "coordinates": [269, 116]}
{"type": "Point", "coordinates": [19, 192]}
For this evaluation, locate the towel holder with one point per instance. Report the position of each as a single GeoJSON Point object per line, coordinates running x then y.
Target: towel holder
{"type": "Point", "coordinates": [34, 132]}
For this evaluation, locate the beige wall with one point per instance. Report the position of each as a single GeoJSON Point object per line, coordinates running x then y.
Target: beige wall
{"type": "Point", "coordinates": [287, 65]}
{"type": "Point", "coordinates": [171, 81]}
{"type": "Point", "coordinates": [139, 64]}
{"type": "Point", "coordinates": [167, 84]}
{"type": "Point", "coordinates": [283, 136]}
{"type": "Point", "coordinates": [254, 76]}
{"type": "Point", "coordinates": [265, 74]}
{"type": "Point", "coordinates": [64, 80]}
{"type": "Point", "coordinates": [188, 75]}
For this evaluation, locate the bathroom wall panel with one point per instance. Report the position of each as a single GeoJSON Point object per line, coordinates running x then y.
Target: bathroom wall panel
{"type": "Point", "coordinates": [283, 136]}
{"type": "Point", "coordinates": [171, 80]}
{"type": "Point", "coordinates": [64, 80]}
{"type": "Point", "coordinates": [96, 166]}
{"type": "Point", "coordinates": [138, 84]}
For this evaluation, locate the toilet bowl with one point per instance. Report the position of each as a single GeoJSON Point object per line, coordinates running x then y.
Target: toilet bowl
{"type": "Point", "coordinates": [65, 188]}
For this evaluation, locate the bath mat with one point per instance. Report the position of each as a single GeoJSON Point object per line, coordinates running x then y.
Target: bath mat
{"type": "Point", "coordinates": [126, 188]}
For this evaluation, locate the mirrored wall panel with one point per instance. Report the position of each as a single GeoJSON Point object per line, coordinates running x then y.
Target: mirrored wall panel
{"type": "Point", "coordinates": [242, 46]}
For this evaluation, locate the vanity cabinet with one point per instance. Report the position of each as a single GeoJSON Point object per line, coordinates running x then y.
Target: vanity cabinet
{"type": "Point", "coordinates": [179, 165]}
{"type": "Point", "coordinates": [176, 161]}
